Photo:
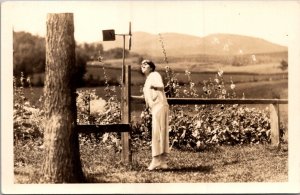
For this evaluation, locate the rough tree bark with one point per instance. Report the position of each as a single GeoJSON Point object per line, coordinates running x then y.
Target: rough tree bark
{"type": "Point", "coordinates": [62, 161]}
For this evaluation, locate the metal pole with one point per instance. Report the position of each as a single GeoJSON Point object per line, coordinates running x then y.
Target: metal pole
{"type": "Point", "coordinates": [123, 63]}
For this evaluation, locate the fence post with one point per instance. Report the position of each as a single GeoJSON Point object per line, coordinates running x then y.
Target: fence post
{"type": "Point", "coordinates": [125, 114]}
{"type": "Point", "coordinates": [274, 116]}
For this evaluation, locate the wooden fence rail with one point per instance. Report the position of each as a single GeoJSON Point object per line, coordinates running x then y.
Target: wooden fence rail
{"type": "Point", "coordinates": [172, 101]}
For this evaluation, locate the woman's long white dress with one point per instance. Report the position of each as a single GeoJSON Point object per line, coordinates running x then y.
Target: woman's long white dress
{"type": "Point", "coordinates": [157, 102]}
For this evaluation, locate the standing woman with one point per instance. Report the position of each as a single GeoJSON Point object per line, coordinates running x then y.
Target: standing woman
{"type": "Point", "coordinates": [157, 102]}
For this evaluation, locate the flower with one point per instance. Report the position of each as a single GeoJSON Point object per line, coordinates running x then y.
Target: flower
{"type": "Point", "coordinates": [232, 86]}
{"type": "Point", "coordinates": [198, 144]}
{"type": "Point", "coordinates": [97, 106]}
{"type": "Point", "coordinates": [224, 91]}
{"type": "Point", "coordinates": [204, 88]}
{"type": "Point", "coordinates": [167, 68]}
{"type": "Point", "coordinates": [235, 105]}
{"type": "Point", "coordinates": [220, 72]}
{"type": "Point", "coordinates": [217, 80]}
{"type": "Point", "coordinates": [198, 124]}
{"type": "Point", "coordinates": [187, 72]}
{"type": "Point", "coordinates": [105, 137]}
{"type": "Point", "coordinates": [195, 133]}
{"type": "Point", "coordinates": [192, 84]}
{"type": "Point", "coordinates": [235, 123]}
{"type": "Point", "coordinates": [209, 92]}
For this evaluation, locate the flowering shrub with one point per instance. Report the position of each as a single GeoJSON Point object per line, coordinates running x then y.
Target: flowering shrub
{"type": "Point", "coordinates": [92, 109]}
{"type": "Point", "coordinates": [141, 131]}
{"type": "Point", "coordinates": [201, 126]}
{"type": "Point", "coordinates": [27, 119]}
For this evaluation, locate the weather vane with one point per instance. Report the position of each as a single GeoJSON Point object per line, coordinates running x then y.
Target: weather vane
{"type": "Point", "coordinates": [110, 35]}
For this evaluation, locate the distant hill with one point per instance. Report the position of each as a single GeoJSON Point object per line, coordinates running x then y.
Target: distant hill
{"type": "Point", "coordinates": [178, 45]}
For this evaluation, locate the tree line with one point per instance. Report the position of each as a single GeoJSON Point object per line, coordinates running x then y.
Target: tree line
{"type": "Point", "coordinates": [29, 56]}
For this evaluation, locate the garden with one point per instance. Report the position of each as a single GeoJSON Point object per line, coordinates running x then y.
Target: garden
{"type": "Point", "coordinates": [209, 143]}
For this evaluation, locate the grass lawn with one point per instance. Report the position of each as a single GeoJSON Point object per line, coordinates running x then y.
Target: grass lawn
{"type": "Point", "coordinates": [101, 164]}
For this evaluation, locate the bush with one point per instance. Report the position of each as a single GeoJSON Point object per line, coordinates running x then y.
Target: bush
{"type": "Point", "coordinates": [27, 119]}
{"type": "Point", "coordinates": [284, 64]}
{"type": "Point", "coordinates": [202, 126]}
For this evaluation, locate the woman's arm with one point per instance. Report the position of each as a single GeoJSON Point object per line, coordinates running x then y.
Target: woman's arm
{"type": "Point", "coordinates": [157, 83]}
{"type": "Point", "coordinates": [156, 88]}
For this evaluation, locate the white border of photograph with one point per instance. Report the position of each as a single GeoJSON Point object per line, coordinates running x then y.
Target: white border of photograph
{"type": "Point", "coordinates": [7, 168]}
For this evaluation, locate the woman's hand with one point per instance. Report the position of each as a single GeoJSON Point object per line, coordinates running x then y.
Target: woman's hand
{"type": "Point", "coordinates": [152, 87]}
{"type": "Point", "coordinates": [156, 88]}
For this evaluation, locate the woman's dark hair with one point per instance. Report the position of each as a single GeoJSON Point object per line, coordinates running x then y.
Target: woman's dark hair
{"type": "Point", "coordinates": [150, 63]}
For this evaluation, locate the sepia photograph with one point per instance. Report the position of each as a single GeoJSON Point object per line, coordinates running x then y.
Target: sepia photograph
{"type": "Point", "coordinates": [150, 97]}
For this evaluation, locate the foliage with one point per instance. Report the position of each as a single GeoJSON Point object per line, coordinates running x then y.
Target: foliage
{"type": "Point", "coordinates": [171, 82]}
{"type": "Point", "coordinates": [284, 64]}
{"type": "Point", "coordinates": [29, 53]}
{"type": "Point", "coordinates": [203, 126]}
{"type": "Point", "coordinates": [92, 51]}
{"type": "Point", "coordinates": [115, 53]}
{"type": "Point", "coordinates": [29, 57]}
{"type": "Point", "coordinates": [92, 109]}
{"type": "Point", "coordinates": [27, 118]}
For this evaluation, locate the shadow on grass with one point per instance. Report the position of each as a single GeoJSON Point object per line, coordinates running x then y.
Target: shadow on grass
{"type": "Point", "coordinates": [102, 178]}
{"type": "Point", "coordinates": [202, 169]}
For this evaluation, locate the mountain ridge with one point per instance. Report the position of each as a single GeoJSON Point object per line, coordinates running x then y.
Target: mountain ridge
{"type": "Point", "coordinates": [177, 44]}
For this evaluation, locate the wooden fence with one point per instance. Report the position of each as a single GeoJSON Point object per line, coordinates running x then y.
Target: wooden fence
{"type": "Point", "coordinates": [127, 100]}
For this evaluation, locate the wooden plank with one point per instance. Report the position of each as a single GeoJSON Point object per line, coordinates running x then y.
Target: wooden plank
{"type": "Point", "coordinates": [103, 128]}
{"type": "Point", "coordinates": [125, 136]}
{"type": "Point", "coordinates": [171, 101]}
{"type": "Point", "coordinates": [275, 136]}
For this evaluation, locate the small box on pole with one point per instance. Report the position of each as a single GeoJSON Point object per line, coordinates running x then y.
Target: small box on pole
{"type": "Point", "coordinates": [108, 35]}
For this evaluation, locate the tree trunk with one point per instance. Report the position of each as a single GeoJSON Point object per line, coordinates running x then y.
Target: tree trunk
{"type": "Point", "coordinates": [62, 160]}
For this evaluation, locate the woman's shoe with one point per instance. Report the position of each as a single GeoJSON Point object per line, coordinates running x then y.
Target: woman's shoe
{"type": "Point", "coordinates": [163, 161]}
{"type": "Point", "coordinates": [153, 166]}
{"type": "Point", "coordinates": [164, 166]}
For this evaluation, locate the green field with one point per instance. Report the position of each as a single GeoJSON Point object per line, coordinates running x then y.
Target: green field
{"type": "Point", "coordinates": [200, 71]}
{"type": "Point", "coordinates": [238, 76]}
{"type": "Point", "coordinates": [195, 65]}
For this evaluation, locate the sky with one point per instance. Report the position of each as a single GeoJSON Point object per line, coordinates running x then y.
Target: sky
{"type": "Point", "coordinates": [273, 21]}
